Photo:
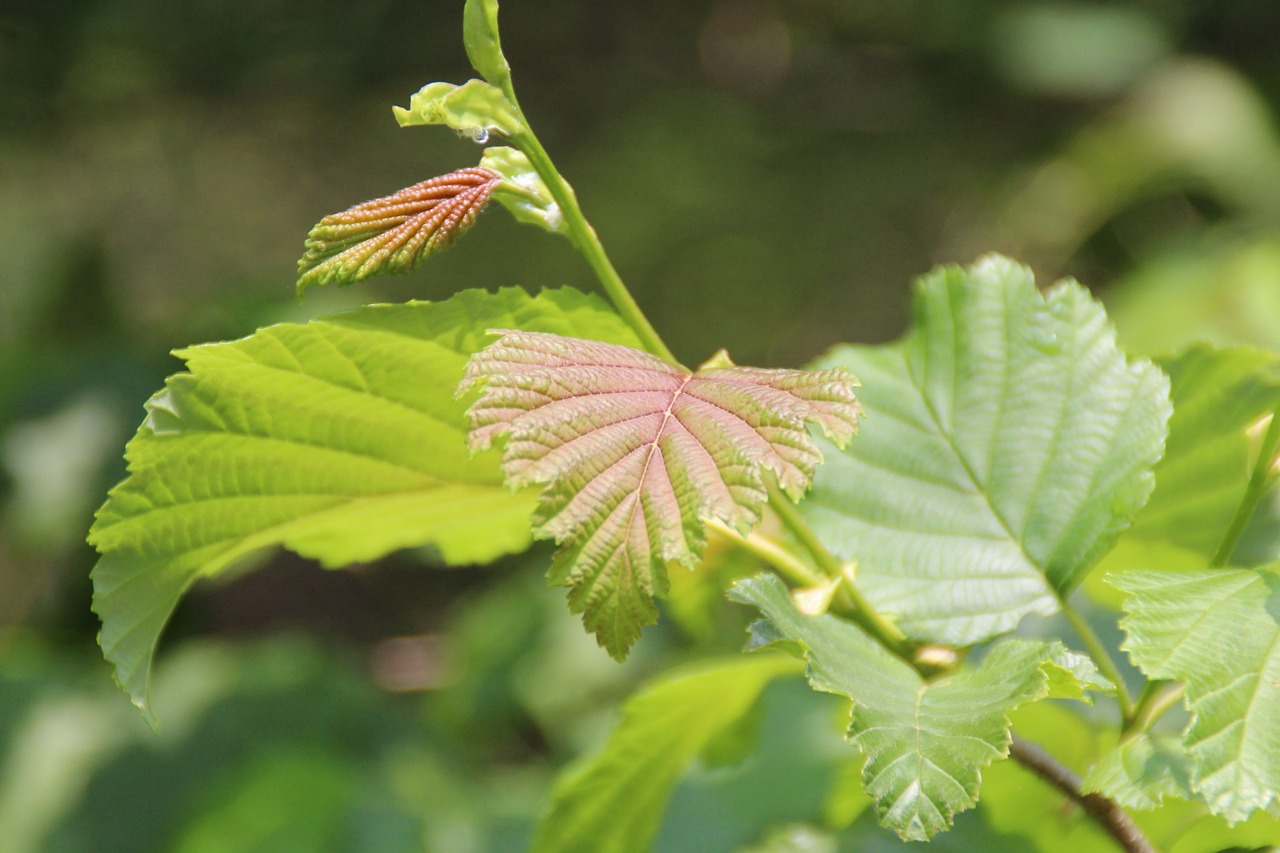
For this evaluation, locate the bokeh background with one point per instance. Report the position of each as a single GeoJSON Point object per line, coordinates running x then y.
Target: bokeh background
{"type": "Point", "coordinates": [768, 175]}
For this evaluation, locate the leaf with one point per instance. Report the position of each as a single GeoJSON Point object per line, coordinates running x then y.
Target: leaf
{"type": "Point", "coordinates": [1008, 441]}
{"type": "Point", "coordinates": [475, 109]}
{"type": "Point", "coordinates": [397, 232]}
{"type": "Point", "coordinates": [925, 742]}
{"type": "Point", "coordinates": [1219, 632]}
{"type": "Point", "coordinates": [522, 192]}
{"type": "Point", "coordinates": [1218, 395]}
{"type": "Point", "coordinates": [1142, 771]}
{"type": "Point", "coordinates": [614, 802]}
{"type": "Point", "coordinates": [339, 440]}
{"type": "Point", "coordinates": [484, 48]}
{"type": "Point", "coordinates": [635, 452]}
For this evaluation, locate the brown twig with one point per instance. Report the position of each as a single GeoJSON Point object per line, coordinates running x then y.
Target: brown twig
{"type": "Point", "coordinates": [1104, 811]}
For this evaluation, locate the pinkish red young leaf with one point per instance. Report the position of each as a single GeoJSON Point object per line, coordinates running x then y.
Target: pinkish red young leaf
{"type": "Point", "coordinates": [395, 233]}
{"type": "Point", "coordinates": [635, 451]}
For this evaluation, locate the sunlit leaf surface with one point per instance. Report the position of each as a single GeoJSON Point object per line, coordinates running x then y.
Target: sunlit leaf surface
{"type": "Point", "coordinates": [636, 452]}
{"type": "Point", "coordinates": [1008, 441]}
{"type": "Point", "coordinates": [339, 439]}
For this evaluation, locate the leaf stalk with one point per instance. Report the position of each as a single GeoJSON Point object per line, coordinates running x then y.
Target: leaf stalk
{"type": "Point", "coordinates": [1262, 479]}
{"type": "Point", "coordinates": [1102, 657]}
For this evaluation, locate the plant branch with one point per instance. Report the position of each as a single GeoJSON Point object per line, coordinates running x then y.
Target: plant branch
{"type": "Point", "coordinates": [1102, 657]}
{"type": "Point", "coordinates": [584, 239]}
{"type": "Point", "coordinates": [1262, 478]}
{"type": "Point", "coordinates": [1103, 810]}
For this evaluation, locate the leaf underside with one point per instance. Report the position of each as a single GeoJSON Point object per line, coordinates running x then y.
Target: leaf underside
{"type": "Point", "coordinates": [1219, 632]}
{"type": "Point", "coordinates": [635, 452]}
{"type": "Point", "coordinates": [1008, 441]}
{"type": "Point", "coordinates": [925, 742]}
{"type": "Point", "coordinates": [397, 232]}
{"type": "Point", "coordinates": [339, 439]}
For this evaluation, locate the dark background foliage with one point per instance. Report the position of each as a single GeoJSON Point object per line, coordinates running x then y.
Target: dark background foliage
{"type": "Point", "coordinates": [768, 176]}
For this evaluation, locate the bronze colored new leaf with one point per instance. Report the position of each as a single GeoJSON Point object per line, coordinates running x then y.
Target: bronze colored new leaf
{"type": "Point", "coordinates": [395, 233]}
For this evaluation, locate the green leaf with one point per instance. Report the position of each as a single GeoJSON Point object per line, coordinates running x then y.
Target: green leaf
{"type": "Point", "coordinates": [522, 191]}
{"type": "Point", "coordinates": [1008, 441]}
{"type": "Point", "coordinates": [1218, 395]}
{"type": "Point", "coordinates": [637, 452]}
{"type": "Point", "coordinates": [395, 233]}
{"type": "Point", "coordinates": [925, 742]}
{"type": "Point", "coordinates": [475, 109]}
{"type": "Point", "coordinates": [339, 439]}
{"type": "Point", "coordinates": [1219, 632]}
{"type": "Point", "coordinates": [484, 48]}
{"type": "Point", "coordinates": [1142, 771]}
{"type": "Point", "coordinates": [613, 803]}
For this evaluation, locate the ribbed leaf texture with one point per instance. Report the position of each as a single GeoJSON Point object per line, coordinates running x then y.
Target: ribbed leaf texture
{"type": "Point", "coordinates": [339, 439]}
{"type": "Point", "coordinates": [925, 742]}
{"type": "Point", "coordinates": [1219, 632]}
{"type": "Point", "coordinates": [1008, 441]}
{"type": "Point", "coordinates": [395, 233]}
{"type": "Point", "coordinates": [636, 451]}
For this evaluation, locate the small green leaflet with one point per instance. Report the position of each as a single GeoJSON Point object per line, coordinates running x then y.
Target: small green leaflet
{"type": "Point", "coordinates": [484, 48]}
{"type": "Point", "coordinates": [475, 109]}
{"type": "Point", "coordinates": [613, 803]}
{"type": "Point", "coordinates": [1219, 632]}
{"type": "Point", "coordinates": [635, 452]}
{"type": "Point", "coordinates": [522, 192]}
{"type": "Point", "coordinates": [1008, 441]}
{"type": "Point", "coordinates": [339, 439]}
{"type": "Point", "coordinates": [925, 742]}
{"type": "Point", "coordinates": [397, 232]}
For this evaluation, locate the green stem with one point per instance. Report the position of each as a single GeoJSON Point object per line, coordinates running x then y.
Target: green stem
{"type": "Point", "coordinates": [584, 239]}
{"type": "Point", "coordinates": [1261, 480]}
{"type": "Point", "coordinates": [1102, 657]}
{"type": "Point", "coordinates": [848, 601]}
{"type": "Point", "coordinates": [1156, 698]}
{"type": "Point", "coordinates": [771, 552]}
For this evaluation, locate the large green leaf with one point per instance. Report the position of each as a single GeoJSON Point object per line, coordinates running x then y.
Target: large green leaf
{"type": "Point", "coordinates": [1008, 441]}
{"type": "Point", "coordinates": [925, 742]}
{"type": "Point", "coordinates": [613, 803]}
{"type": "Point", "coordinates": [636, 453]}
{"type": "Point", "coordinates": [1218, 394]}
{"type": "Point", "coordinates": [1219, 632]}
{"type": "Point", "coordinates": [339, 439]}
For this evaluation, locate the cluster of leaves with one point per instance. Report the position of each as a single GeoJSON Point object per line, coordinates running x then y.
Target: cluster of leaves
{"type": "Point", "coordinates": [1010, 447]}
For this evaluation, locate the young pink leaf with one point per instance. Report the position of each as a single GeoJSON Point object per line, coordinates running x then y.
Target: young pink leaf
{"type": "Point", "coordinates": [634, 452]}
{"type": "Point", "coordinates": [395, 233]}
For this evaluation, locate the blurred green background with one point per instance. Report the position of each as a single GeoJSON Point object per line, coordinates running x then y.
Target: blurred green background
{"type": "Point", "coordinates": [768, 176]}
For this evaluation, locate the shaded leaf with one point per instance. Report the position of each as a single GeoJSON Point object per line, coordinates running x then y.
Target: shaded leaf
{"type": "Point", "coordinates": [480, 37]}
{"type": "Point", "coordinates": [1218, 395]}
{"type": "Point", "coordinates": [614, 802]}
{"type": "Point", "coordinates": [635, 452]}
{"type": "Point", "coordinates": [1142, 771]}
{"type": "Point", "coordinates": [925, 742]}
{"type": "Point", "coordinates": [397, 232]}
{"type": "Point", "coordinates": [339, 439]}
{"type": "Point", "coordinates": [1219, 632]}
{"type": "Point", "coordinates": [1008, 442]}
{"type": "Point", "coordinates": [522, 192]}
{"type": "Point", "coordinates": [475, 109]}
